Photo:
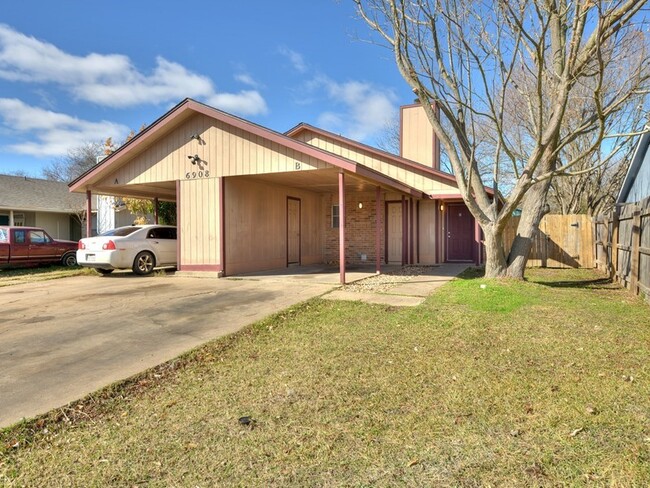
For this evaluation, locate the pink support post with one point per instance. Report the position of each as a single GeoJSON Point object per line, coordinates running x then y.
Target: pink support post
{"type": "Point", "coordinates": [378, 230]}
{"type": "Point", "coordinates": [89, 213]}
{"type": "Point", "coordinates": [342, 227]}
{"type": "Point", "coordinates": [404, 231]}
{"type": "Point", "coordinates": [179, 232]}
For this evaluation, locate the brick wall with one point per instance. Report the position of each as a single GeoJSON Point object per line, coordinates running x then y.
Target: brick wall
{"type": "Point", "coordinates": [359, 229]}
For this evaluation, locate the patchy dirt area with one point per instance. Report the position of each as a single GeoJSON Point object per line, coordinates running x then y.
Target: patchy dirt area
{"type": "Point", "coordinates": [17, 276]}
{"type": "Point", "coordinates": [384, 282]}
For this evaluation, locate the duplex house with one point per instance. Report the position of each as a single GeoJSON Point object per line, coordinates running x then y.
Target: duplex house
{"type": "Point", "coordinates": [249, 198]}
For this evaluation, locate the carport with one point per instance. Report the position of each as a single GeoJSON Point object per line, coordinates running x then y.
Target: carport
{"type": "Point", "coordinates": [251, 199]}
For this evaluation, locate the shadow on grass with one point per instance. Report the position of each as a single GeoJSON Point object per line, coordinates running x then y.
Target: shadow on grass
{"type": "Point", "coordinates": [596, 284]}
{"type": "Point", "coordinates": [605, 282]}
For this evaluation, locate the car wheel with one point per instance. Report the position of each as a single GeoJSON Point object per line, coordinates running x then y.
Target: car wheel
{"type": "Point", "coordinates": [104, 271]}
{"type": "Point", "coordinates": [69, 259]}
{"type": "Point", "coordinates": [144, 263]}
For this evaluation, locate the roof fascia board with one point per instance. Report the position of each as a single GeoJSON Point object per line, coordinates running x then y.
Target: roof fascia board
{"type": "Point", "coordinates": [378, 152]}
{"type": "Point", "coordinates": [131, 145]}
{"type": "Point", "coordinates": [282, 139]}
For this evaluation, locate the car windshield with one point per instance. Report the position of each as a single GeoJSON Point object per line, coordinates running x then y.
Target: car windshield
{"type": "Point", "coordinates": [120, 231]}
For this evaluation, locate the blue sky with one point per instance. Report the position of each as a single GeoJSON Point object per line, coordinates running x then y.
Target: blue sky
{"type": "Point", "coordinates": [77, 71]}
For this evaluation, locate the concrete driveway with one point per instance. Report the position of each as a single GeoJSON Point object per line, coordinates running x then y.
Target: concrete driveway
{"type": "Point", "coordinates": [65, 338]}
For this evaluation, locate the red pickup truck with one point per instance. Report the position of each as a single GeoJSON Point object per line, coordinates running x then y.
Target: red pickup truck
{"type": "Point", "coordinates": [22, 246]}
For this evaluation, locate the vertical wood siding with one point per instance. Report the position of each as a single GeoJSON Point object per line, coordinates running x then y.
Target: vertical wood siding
{"type": "Point", "coordinates": [256, 225]}
{"type": "Point", "coordinates": [199, 226]}
{"type": "Point", "coordinates": [641, 187]}
{"type": "Point", "coordinates": [224, 150]}
{"type": "Point", "coordinates": [410, 176]}
{"type": "Point", "coordinates": [417, 136]}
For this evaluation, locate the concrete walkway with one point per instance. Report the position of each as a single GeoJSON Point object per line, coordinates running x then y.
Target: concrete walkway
{"type": "Point", "coordinates": [405, 294]}
{"type": "Point", "coordinates": [400, 294]}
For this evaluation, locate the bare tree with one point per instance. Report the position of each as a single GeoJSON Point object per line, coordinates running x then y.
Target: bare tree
{"type": "Point", "coordinates": [78, 160]}
{"type": "Point", "coordinates": [389, 138]}
{"type": "Point", "coordinates": [515, 63]}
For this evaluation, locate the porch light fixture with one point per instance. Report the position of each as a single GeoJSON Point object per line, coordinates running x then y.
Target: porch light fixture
{"type": "Point", "coordinates": [360, 205]}
{"type": "Point", "coordinates": [442, 207]}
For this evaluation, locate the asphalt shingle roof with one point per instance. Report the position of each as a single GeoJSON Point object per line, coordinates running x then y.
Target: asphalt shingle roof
{"type": "Point", "coordinates": [26, 193]}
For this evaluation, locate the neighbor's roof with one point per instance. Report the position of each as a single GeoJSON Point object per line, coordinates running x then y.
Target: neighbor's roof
{"type": "Point", "coordinates": [33, 194]}
{"type": "Point", "coordinates": [637, 160]}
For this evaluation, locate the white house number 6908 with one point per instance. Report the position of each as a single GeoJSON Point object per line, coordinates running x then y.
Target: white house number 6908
{"type": "Point", "coordinates": [192, 175]}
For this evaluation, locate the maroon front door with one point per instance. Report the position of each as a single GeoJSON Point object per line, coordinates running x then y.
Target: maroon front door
{"type": "Point", "coordinates": [460, 233]}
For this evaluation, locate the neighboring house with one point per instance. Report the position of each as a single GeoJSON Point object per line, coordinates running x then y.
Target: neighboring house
{"type": "Point", "coordinates": [49, 204]}
{"type": "Point", "coordinates": [26, 201]}
{"type": "Point", "coordinates": [249, 198]}
{"type": "Point", "coordinates": [636, 185]}
{"type": "Point", "coordinates": [110, 212]}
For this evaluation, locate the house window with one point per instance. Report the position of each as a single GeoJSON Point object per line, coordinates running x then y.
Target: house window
{"type": "Point", "coordinates": [335, 216]}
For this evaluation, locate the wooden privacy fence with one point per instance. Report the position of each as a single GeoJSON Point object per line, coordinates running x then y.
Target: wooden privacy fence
{"type": "Point", "coordinates": [622, 245]}
{"type": "Point", "coordinates": [563, 241]}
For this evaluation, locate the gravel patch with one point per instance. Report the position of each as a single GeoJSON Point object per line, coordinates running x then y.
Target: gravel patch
{"type": "Point", "coordinates": [384, 282]}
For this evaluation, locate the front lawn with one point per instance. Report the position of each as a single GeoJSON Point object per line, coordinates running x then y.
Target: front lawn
{"type": "Point", "coordinates": [15, 276]}
{"type": "Point", "coordinates": [542, 383]}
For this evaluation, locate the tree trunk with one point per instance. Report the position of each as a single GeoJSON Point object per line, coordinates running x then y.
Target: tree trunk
{"type": "Point", "coordinates": [495, 256]}
{"type": "Point", "coordinates": [532, 211]}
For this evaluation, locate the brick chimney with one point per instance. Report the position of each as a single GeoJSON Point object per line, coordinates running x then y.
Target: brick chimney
{"type": "Point", "coordinates": [418, 142]}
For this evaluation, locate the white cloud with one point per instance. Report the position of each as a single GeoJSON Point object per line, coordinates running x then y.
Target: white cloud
{"type": "Point", "coordinates": [52, 134]}
{"type": "Point", "coordinates": [296, 59]}
{"type": "Point", "coordinates": [246, 79]}
{"type": "Point", "coordinates": [111, 80]}
{"type": "Point", "coordinates": [364, 109]}
{"type": "Point", "coordinates": [246, 102]}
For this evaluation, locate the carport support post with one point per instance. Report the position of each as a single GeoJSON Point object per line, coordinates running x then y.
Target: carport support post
{"type": "Point", "coordinates": [404, 231]}
{"type": "Point", "coordinates": [89, 213]}
{"type": "Point", "coordinates": [378, 230]}
{"type": "Point", "coordinates": [155, 210]}
{"type": "Point", "coordinates": [342, 227]}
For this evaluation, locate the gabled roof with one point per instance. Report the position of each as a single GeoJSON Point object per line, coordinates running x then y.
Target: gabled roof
{"type": "Point", "coordinates": [637, 161]}
{"type": "Point", "coordinates": [442, 175]}
{"type": "Point", "coordinates": [373, 150]}
{"type": "Point", "coordinates": [187, 107]}
{"type": "Point", "coordinates": [33, 194]}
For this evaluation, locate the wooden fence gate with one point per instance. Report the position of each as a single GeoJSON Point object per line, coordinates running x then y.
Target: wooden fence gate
{"type": "Point", "coordinates": [563, 241]}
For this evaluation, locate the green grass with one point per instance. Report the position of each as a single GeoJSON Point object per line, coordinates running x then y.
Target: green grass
{"type": "Point", "coordinates": [540, 383]}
